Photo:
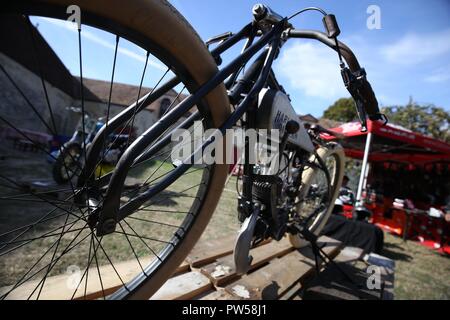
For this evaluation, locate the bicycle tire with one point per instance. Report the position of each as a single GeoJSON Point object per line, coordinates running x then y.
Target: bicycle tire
{"type": "Point", "coordinates": [158, 26]}
{"type": "Point", "coordinates": [325, 152]}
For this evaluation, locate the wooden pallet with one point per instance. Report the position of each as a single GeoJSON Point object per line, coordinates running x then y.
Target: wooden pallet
{"type": "Point", "coordinates": [277, 268]}
{"type": "Point", "coordinates": [278, 271]}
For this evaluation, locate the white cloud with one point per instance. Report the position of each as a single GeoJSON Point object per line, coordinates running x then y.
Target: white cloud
{"type": "Point", "coordinates": [100, 41]}
{"type": "Point", "coordinates": [439, 75]}
{"type": "Point", "coordinates": [416, 48]}
{"type": "Point", "coordinates": [313, 69]}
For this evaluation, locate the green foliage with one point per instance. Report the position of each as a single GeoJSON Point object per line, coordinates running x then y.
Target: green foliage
{"type": "Point", "coordinates": [425, 119]}
{"type": "Point", "coordinates": [342, 110]}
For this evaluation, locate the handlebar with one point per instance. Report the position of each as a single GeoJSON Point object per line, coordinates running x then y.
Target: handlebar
{"type": "Point", "coordinates": [363, 93]}
{"type": "Point", "coordinates": [348, 55]}
{"type": "Point", "coordinates": [354, 76]}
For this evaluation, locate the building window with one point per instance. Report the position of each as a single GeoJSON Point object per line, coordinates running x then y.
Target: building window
{"type": "Point", "coordinates": [164, 105]}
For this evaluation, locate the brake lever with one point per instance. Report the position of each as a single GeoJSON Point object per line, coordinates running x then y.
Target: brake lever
{"type": "Point", "coordinates": [351, 83]}
{"type": "Point", "coordinates": [362, 115]}
{"type": "Point", "coordinates": [218, 38]}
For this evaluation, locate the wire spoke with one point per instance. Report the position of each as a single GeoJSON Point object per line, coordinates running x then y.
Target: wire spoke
{"type": "Point", "coordinates": [137, 99]}
{"type": "Point", "coordinates": [142, 240]}
{"type": "Point", "coordinates": [181, 195]}
{"type": "Point", "coordinates": [110, 261]}
{"type": "Point", "coordinates": [67, 250]}
{"type": "Point", "coordinates": [86, 270]}
{"type": "Point", "coordinates": [33, 194]}
{"type": "Point", "coordinates": [44, 87]}
{"type": "Point", "coordinates": [142, 237]}
{"type": "Point", "coordinates": [131, 246]}
{"type": "Point", "coordinates": [108, 108]}
{"type": "Point", "coordinates": [98, 269]}
{"type": "Point", "coordinates": [53, 256]}
{"type": "Point", "coordinates": [45, 235]}
{"type": "Point", "coordinates": [40, 220]}
{"type": "Point", "coordinates": [41, 73]}
{"type": "Point", "coordinates": [25, 98]}
{"type": "Point", "coordinates": [137, 107]}
{"type": "Point", "coordinates": [32, 224]}
{"type": "Point", "coordinates": [22, 280]}
{"type": "Point", "coordinates": [157, 222]}
{"type": "Point", "coordinates": [173, 102]}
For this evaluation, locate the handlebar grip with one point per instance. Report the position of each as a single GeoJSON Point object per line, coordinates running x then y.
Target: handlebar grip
{"type": "Point", "coordinates": [370, 101]}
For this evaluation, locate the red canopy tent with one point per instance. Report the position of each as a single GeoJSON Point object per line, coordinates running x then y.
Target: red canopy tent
{"type": "Point", "coordinates": [390, 143]}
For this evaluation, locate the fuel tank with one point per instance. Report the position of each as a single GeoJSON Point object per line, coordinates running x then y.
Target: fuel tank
{"type": "Point", "coordinates": [274, 111]}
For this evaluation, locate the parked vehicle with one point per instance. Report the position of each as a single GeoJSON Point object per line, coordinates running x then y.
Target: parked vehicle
{"type": "Point", "coordinates": [68, 160]}
{"type": "Point", "coordinates": [166, 209]}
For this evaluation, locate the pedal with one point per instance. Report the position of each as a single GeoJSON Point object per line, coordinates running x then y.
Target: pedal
{"type": "Point", "coordinates": [242, 258]}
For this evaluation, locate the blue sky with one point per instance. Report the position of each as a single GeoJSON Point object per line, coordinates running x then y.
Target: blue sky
{"type": "Point", "coordinates": [408, 56]}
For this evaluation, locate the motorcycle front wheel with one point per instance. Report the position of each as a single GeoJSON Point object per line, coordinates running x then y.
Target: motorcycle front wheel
{"type": "Point", "coordinates": [48, 250]}
{"type": "Point", "coordinates": [317, 193]}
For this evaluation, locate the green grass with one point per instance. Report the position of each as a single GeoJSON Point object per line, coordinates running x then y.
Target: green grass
{"type": "Point", "coordinates": [420, 273]}
{"type": "Point", "coordinates": [163, 214]}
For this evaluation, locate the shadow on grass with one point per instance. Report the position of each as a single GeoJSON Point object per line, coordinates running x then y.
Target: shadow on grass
{"type": "Point", "coordinates": [395, 255]}
{"type": "Point", "coordinates": [393, 246]}
{"type": "Point", "coordinates": [165, 198]}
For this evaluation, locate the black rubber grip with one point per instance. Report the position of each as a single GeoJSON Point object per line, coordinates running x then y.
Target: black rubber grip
{"type": "Point", "coordinates": [330, 24]}
{"type": "Point", "coordinates": [370, 101]}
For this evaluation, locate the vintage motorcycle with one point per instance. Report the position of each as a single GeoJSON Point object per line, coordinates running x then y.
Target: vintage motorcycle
{"type": "Point", "coordinates": [68, 159]}
{"type": "Point", "coordinates": [158, 221]}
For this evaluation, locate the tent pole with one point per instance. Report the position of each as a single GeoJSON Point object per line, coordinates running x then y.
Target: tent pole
{"type": "Point", "coordinates": [364, 171]}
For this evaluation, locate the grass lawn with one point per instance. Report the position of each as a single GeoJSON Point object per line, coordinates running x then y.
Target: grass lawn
{"type": "Point", "coordinates": [421, 273]}
{"type": "Point", "coordinates": [156, 221]}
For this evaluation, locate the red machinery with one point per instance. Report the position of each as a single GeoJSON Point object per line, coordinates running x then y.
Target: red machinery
{"type": "Point", "coordinates": [404, 181]}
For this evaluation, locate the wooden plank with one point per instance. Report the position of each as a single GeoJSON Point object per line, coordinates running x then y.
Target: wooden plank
{"type": "Point", "coordinates": [207, 251]}
{"type": "Point", "coordinates": [223, 270]}
{"type": "Point", "coordinates": [184, 267]}
{"type": "Point", "coordinates": [291, 293]}
{"type": "Point", "coordinates": [183, 287]}
{"type": "Point", "coordinates": [277, 272]}
{"type": "Point", "coordinates": [216, 294]}
{"type": "Point", "coordinates": [279, 275]}
{"type": "Point", "coordinates": [61, 286]}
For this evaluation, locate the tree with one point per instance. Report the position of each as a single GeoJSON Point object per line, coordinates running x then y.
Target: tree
{"type": "Point", "coordinates": [342, 110]}
{"type": "Point", "coordinates": [425, 119]}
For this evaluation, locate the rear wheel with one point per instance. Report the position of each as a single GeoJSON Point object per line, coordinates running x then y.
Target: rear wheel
{"type": "Point", "coordinates": [319, 190]}
{"type": "Point", "coordinates": [48, 250]}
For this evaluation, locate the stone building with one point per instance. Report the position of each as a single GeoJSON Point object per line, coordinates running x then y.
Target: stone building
{"type": "Point", "coordinates": [23, 102]}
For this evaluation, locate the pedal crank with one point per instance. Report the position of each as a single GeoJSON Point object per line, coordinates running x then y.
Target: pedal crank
{"type": "Point", "coordinates": [242, 258]}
